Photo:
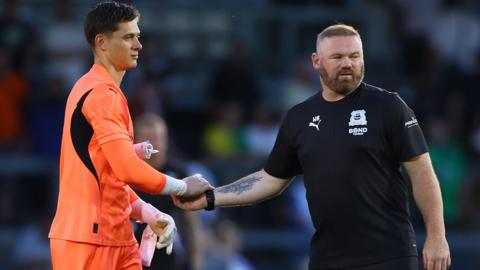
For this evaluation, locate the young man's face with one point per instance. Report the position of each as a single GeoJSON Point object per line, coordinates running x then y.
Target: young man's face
{"type": "Point", "coordinates": [339, 59]}
{"type": "Point", "coordinates": [122, 47]}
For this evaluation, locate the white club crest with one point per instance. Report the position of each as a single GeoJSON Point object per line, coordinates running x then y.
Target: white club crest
{"type": "Point", "coordinates": [358, 118]}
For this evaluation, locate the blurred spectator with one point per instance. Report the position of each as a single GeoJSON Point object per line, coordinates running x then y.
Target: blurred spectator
{"type": "Point", "coordinates": [32, 250]}
{"type": "Point", "coordinates": [419, 15]}
{"type": "Point", "coordinates": [46, 119]}
{"type": "Point", "coordinates": [32, 246]}
{"type": "Point", "coordinates": [302, 84]}
{"type": "Point", "coordinates": [17, 36]}
{"type": "Point", "coordinates": [455, 33]}
{"type": "Point", "coordinates": [469, 218]}
{"type": "Point", "coordinates": [448, 159]}
{"type": "Point", "coordinates": [422, 81]}
{"type": "Point", "coordinates": [260, 134]}
{"type": "Point", "coordinates": [224, 137]}
{"type": "Point", "coordinates": [65, 44]}
{"type": "Point", "coordinates": [472, 96]}
{"type": "Point", "coordinates": [146, 99]}
{"type": "Point", "coordinates": [187, 253]}
{"type": "Point", "coordinates": [234, 80]}
{"type": "Point", "coordinates": [225, 249]}
{"type": "Point", "coordinates": [14, 92]}
{"type": "Point", "coordinates": [450, 26]}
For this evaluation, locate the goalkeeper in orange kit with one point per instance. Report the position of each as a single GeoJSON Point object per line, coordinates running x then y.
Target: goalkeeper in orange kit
{"type": "Point", "coordinates": [98, 164]}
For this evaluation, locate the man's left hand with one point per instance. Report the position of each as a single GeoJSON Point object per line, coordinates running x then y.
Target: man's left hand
{"type": "Point", "coordinates": [436, 254]}
{"type": "Point", "coordinates": [162, 225]}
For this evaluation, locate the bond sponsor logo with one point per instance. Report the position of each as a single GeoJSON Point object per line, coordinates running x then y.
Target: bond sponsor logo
{"type": "Point", "coordinates": [358, 118]}
{"type": "Point", "coordinates": [315, 122]}
{"type": "Point", "coordinates": [357, 131]}
{"type": "Point", "coordinates": [411, 123]}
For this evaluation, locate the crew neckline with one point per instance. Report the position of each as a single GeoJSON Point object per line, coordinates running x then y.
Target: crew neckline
{"type": "Point", "coordinates": [353, 94]}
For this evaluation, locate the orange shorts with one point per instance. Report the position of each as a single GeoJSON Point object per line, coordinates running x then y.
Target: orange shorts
{"type": "Point", "coordinates": [83, 256]}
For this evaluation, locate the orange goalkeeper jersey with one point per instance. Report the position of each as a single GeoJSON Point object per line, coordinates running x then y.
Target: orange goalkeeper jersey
{"type": "Point", "coordinates": [93, 204]}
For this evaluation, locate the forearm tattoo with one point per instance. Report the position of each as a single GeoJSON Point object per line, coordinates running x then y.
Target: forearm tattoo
{"type": "Point", "coordinates": [241, 185]}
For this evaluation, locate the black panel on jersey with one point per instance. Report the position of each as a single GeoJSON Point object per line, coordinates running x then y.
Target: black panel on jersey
{"type": "Point", "coordinates": [81, 132]}
{"type": "Point", "coordinates": [350, 152]}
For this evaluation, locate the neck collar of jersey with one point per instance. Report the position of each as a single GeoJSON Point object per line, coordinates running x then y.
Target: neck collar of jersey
{"type": "Point", "coordinates": [102, 71]}
{"type": "Point", "coordinates": [347, 97]}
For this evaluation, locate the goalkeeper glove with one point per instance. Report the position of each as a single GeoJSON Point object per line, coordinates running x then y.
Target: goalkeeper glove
{"type": "Point", "coordinates": [161, 224]}
{"type": "Point", "coordinates": [144, 150]}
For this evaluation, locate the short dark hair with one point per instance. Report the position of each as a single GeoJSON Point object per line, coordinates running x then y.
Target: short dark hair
{"type": "Point", "coordinates": [338, 29]}
{"type": "Point", "coordinates": [105, 17]}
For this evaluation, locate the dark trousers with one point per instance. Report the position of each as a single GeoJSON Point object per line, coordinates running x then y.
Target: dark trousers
{"type": "Point", "coordinates": [404, 263]}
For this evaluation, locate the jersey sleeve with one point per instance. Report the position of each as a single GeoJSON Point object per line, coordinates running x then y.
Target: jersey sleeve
{"type": "Point", "coordinates": [131, 169]}
{"type": "Point", "coordinates": [104, 111]}
{"type": "Point", "coordinates": [283, 160]}
{"type": "Point", "coordinates": [404, 132]}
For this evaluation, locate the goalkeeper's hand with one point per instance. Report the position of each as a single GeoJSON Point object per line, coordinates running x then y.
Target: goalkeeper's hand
{"type": "Point", "coordinates": [162, 225]}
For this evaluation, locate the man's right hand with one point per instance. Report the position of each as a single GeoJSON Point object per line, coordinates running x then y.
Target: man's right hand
{"type": "Point", "coordinates": [196, 185]}
{"type": "Point", "coordinates": [190, 203]}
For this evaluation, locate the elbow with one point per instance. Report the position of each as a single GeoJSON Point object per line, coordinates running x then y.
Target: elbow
{"type": "Point", "coordinates": [123, 172]}
{"type": "Point", "coordinates": [278, 192]}
{"type": "Point", "coordinates": [126, 170]}
{"type": "Point", "coordinates": [275, 185]}
{"type": "Point", "coordinates": [124, 175]}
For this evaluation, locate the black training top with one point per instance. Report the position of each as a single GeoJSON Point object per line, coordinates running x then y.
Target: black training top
{"type": "Point", "coordinates": [349, 152]}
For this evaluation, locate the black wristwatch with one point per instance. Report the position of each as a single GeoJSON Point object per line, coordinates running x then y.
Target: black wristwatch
{"type": "Point", "coordinates": [210, 200]}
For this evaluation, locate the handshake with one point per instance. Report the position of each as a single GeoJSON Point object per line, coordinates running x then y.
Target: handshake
{"type": "Point", "coordinates": [196, 185]}
{"type": "Point", "coordinates": [161, 229]}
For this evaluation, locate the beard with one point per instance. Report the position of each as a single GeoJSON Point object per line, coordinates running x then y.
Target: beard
{"type": "Point", "coordinates": [339, 86]}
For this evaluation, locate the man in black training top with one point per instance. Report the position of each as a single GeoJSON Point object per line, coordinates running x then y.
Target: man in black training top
{"type": "Point", "coordinates": [349, 141]}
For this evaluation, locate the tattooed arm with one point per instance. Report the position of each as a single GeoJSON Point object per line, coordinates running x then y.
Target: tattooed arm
{"type": "Point", "coordinates": [251, 189]}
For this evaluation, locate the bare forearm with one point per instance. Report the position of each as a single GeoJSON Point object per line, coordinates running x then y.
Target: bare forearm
{"type": "Point", "coordinates": [251, 189]}
{"type": "Point", "coordinates": [429, 201]}
{"type": "Point", "coordinates": [427, 194]}
{"type": "Point", "coordinates": [426, 191]}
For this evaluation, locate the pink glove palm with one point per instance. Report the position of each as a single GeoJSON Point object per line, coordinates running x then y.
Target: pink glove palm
{"type": "Point", "coordinates": [160, 232]}
{"type": "Point", "coordinates": [161, 224]}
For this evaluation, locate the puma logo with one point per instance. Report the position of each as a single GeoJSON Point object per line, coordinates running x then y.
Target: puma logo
{"type": "Point", "coordinates": [315, 122]}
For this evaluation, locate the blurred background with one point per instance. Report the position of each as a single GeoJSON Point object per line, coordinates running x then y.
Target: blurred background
{"type": "Point", "coordinates": [222, 74]}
